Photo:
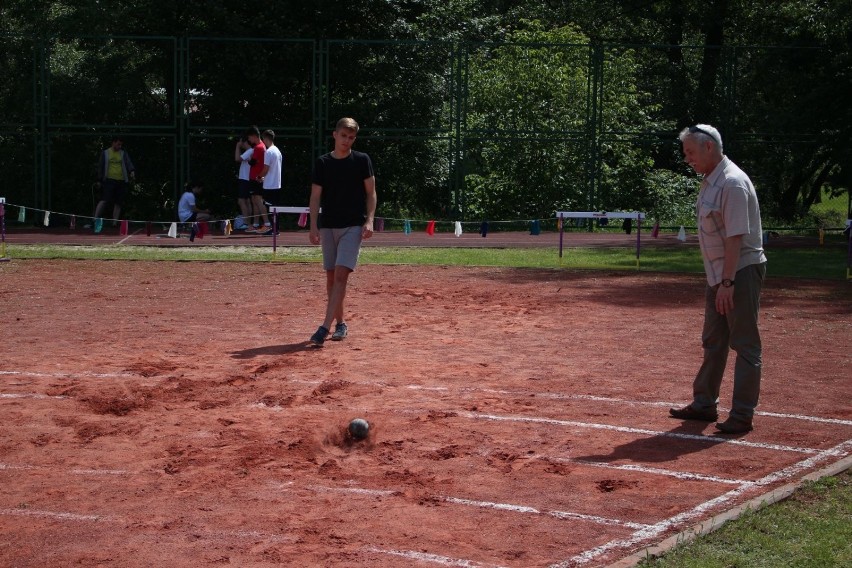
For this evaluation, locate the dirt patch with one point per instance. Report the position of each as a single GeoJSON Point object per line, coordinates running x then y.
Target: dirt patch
{"type": "Point", "coordinates": [517, 417]}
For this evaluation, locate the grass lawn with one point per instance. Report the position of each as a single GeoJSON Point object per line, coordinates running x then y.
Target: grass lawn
{"type": "Point", "coordinates": [817, 262]}
{"type": "Point", "coordinates": [812, 528]}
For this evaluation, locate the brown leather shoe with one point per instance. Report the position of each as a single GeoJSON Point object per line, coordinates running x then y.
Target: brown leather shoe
{"type": "Point", "coordinates": [689, 413]}
{"type": "Point", "coordinates": [734, 426]}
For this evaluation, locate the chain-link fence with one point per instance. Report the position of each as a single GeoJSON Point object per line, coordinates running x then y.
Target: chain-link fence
{"type": "Point", "coordinates": [456, 130]}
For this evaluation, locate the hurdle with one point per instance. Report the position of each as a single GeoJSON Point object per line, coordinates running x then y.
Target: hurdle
{"type": "Point", "coordinates": [3, 257]}
{"type": "Point", "coordinates": [275, 210]}
{"type": "Point", "coordinates": [562, 215]}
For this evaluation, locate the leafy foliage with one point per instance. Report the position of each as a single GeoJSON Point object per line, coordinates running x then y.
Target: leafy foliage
{"type": "Point", "coordinates": [495, 108]}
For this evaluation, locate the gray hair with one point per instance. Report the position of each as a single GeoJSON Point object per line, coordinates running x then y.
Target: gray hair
{"type": "Point", "coordinates": [702, 132]}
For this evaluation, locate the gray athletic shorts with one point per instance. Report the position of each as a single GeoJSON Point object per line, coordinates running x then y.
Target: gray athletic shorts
{"type": "Point", "coordinates": [340, 247]}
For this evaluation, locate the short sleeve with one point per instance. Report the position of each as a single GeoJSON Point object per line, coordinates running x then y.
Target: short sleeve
{"type": "Point", "coordinates": [735, 210]}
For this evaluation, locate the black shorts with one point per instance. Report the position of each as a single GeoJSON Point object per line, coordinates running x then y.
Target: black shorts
{"type": "Point", "coordinates": [191, 219]}
{"type": "Point", "coordinates": [256, 188]}
{"type": "Point", "coordinates": [243, 189]}
{"type": "Point", "coordinates": [271, 196]}
{"type": "Point", "coordinates": [113, 190]}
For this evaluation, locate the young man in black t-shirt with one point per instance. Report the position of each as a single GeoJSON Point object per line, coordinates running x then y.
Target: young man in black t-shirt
{"type": "Point", "coordinates": [344, 186]}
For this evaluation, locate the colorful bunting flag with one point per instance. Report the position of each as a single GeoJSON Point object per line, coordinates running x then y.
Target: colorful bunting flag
{"type": "Point", "coordinates": [430, 228]}
{"type": "Point", "coordinates": [173, 230]}
{"type": "Point", "coordinates": [203, 229]}
{"type": "Point", "coordinates": [379, 224]}
{"type": "Point", "coordinates": [73, 223]}
{"type": "Point", "coordinates": [192, 232]}
{"type": "Point", "coordinates": [47, 218]}
{"type": "Point", "coordinates": [535, 227]}
{"type": "Point", "coordinates": [303, 219]}
{"type": "Point", "coordinates": [22, 215]}
{"type": "Point", "coordinates": [124, 227]}
{"type": "Point", "coordinates": [681, 235]}
{"type": "Point", "coordinates": [483, 229]}
{"type": "Point", "coordinates": [655, 232]}
{"type": "Point", "coordinates": [99, 225]}
{"type": "Point", "coordinates": [458, 229]}
{"type": "Point", "coordinates": [148, 228]}
{"type": "Point", "coordinates": [406, 227]}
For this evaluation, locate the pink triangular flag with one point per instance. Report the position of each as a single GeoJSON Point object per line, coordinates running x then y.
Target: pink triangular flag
{"type": "Point", "coordinates": [430, 228]}
{"type": "Point", "coordinates": [73, 224]}
{"type": "Point", "coordinates": [124, 227]}
{"type": "Point", "coordinates": [655, 232]}
{"type": "Point", "coordinates": [303, 219]}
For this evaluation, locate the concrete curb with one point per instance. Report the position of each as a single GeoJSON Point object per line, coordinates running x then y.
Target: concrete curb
{"type": "Point", "coordinates": [716, 522]}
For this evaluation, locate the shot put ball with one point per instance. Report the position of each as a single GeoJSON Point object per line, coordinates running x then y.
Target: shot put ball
{"type": "Point", "coordinates": [359, 429]}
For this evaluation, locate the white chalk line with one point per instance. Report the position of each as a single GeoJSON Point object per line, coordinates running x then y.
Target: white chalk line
{"type": "Point", "coordinates": [627, 429]}
{"type": "Point", "coordinates": [840, 450]}
{"type": "Point", "coordinates": [128, 236]}
{"type": "Point", "coordinates": [653, 471]}
{"type": "Point", "coordinates": [60, 516]}
{"type": "Point", "coordinates": [490, 505]}
{"type": "Point", "coordinates": [662, 404]}
{"type": "Point", "coordinates": [558, 514]}
{"type": "Point", "coordinates": [31, 395]}
{"type": "Point", "coordinates": [70, 375]}
{"type": "Point", "coordinates": [427, 557]}
{"type": "Point", "coordinates": [593, 398]}
{"type": "Point", "coordinates": [76, 471]}
{"type": "Point", "coordinates": [526, 394]}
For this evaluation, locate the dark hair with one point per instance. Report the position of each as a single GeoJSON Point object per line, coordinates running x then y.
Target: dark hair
{"type": "Point", "coordinates": [252, 131]}
{"type": "Point", "coordinates": [117, 138]}
{"type": "Point", "coordinates": [268, 134]}
{"type": "Point", "coordinates": [193, 183]}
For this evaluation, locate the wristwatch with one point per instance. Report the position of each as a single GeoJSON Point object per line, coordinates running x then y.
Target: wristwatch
{"type": "Point", "coordinates": [727, 282]}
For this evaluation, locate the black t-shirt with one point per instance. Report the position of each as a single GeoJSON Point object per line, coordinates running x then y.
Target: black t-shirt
{"type": "Point", "coordinates": [343, 199]}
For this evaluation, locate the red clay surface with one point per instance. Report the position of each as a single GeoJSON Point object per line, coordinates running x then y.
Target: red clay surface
{"type": "Point", "coordinates": [173, 413]}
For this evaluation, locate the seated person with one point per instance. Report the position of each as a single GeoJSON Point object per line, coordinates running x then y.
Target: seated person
{"type": "Point", "coordinates": [188, 211]}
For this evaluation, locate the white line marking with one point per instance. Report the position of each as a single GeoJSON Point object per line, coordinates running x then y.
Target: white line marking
{"type": "Point", "coordinates": [560, 396]}
{"type": "Point", "coordinates": [654, 470]}
{"type": "Point", "coordinates": [99, 472]}
{"type": "Point", "coordinates": [358, 490]}
{"type": "Point", "coordinates": [4, 466]}
{"type": "Point", "coordinates": [700, 438]}
{"type": "Point", "coordinates": [840, 450]}
{"type": "Point", "coordinates": [29, 395]}
{"type": "Point", "coordinates": [9, 466]}
{"type": "Point", "coordinates": [426, 557]}
{"type": "Point", "coordinates": [557, 514]}
{"type": "Point", "coordinates": [68, 375]}
{"type": "Point", "coordinates": [127, 238]}
{"type": "Point", "coordinates": [556, 396]}
{"type": "Point", "coordinates": [54, 515]}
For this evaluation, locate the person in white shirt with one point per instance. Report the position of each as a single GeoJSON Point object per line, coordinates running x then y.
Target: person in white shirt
{"type": "Point", "coordinates": [188, 211]}
{"type": "Point", "coordinates": [273, 164]}
{"type": "Point", "coordinates": [242, 154]}
{"type": "Point", "coordinates": [731, 239]}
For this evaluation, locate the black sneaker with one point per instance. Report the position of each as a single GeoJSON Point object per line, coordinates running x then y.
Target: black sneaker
{"type": "Point", "coordinates": [690, 413]}
{"type": "Point", "coordinates": [341, 330]}
{"type": "Point", "coordinates": [318, 338]}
